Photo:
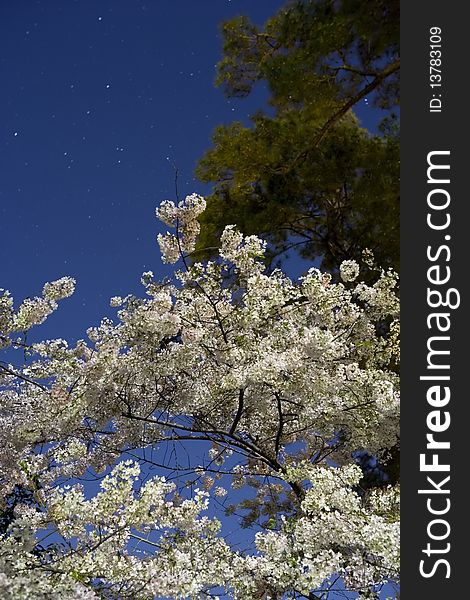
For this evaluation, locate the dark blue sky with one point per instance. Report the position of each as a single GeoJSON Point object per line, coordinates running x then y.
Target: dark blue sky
{"type": "Point", "coordinates": [100, 98]}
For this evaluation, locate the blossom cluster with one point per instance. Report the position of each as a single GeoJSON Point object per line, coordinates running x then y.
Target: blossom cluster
{"type": "Point", "coordinates": [283, 381]}
{"type": "Point", "coordinates": [182, 217]}
{"type": "Point", "coordinates": [32, 311]}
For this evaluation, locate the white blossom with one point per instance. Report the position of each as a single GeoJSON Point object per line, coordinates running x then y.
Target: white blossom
{"type": "Point", "coordinates": [349, 270]}
{"type": "Point", "coordinates": [59, 289]}
{"type": "Point", "coordinates": [183, 218]}
{"type": "Point", "coordinates": [274, 380]}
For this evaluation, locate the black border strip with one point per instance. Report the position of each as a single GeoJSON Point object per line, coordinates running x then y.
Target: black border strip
{"type": "Point", "coordinates": [426, 243]}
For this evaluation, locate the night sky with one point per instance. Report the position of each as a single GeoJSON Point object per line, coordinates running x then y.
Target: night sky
{"type": "Point", "coordinates": [100, 101]}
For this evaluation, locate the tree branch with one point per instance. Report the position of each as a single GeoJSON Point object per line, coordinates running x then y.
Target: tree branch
{"type": "Point", "coordinates": [238, 416]}
{"type": "Point", "coordinates": [339, 114]}
{"type": "Point", "coordinates": [23, 378]}
{"type": "Point", "coordinates": [281, 424]}
{"type": "Point", "coordinates": [379, 78]}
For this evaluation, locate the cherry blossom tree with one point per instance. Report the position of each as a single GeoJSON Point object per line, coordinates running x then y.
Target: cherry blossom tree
{"type": "Point", "coordinates": [278, 383]}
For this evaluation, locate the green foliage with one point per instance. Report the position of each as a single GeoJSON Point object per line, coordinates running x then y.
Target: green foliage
{"type": "Point", "coordinates": [307, 175]}
{"type": "Point", "coordinates": [314, 50]}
